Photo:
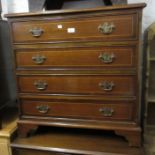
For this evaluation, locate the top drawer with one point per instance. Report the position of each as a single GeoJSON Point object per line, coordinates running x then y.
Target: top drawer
{"type": "Point", "coordinates": [118, 27]}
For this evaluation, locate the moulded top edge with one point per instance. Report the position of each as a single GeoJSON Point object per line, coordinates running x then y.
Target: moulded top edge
{"type": "Point", "coordinates": [68, 11]}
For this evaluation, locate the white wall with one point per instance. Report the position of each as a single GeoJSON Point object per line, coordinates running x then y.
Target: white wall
{"type": "Point", "coordinates": [148, 12]}
{"type": "Point", "coordinates": [12, 6]}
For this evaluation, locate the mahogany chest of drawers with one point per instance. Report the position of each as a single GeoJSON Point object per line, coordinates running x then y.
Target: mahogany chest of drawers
{"type": "Point", "coordinates": [79, 69]}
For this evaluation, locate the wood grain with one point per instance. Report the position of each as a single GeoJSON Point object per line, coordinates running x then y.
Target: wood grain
{"type": "Point", "coordinates": [85, 28]}
{"type": "Point", "coordinates": [77, 57]}
{"type": "Point", "coordinates": [66, 84]}
{"type": "Point", "coordinates": [122, 110]}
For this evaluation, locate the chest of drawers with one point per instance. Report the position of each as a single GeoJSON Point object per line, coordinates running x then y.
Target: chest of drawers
{"type": "Point", "coordinates": [79, 69]}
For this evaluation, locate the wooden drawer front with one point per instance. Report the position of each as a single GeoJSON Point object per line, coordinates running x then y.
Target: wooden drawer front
{"type": "Point", "coordinates": [120, 111]}
{"type": "Point", "coordinates": [52, 151]}
{"type": "Point", "coordinates": [22, 151]}
{"type": "Point", "coordinates": [98, 57]}
{"type": "Point", "coordinates": [104, 27]}
{"type": "Point", "coordinates": [79, 84]}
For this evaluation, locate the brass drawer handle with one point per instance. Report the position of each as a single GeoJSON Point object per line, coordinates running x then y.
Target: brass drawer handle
{"type": "Point", "coordinates": [107, 58]}
{"type": "Point", "coordinates": [41, 85]}
{"type": "Point", "coordinates": [107, 86]}
{"type": "Point", "coordinates": [38, 59]}
{"type": "Point", "coordinates": [106, 28]}
{"type": "Point", "coordinates": [42, 108]}
{"type": "Point", "coordinates": [36, 32]}
{"type": "Point", "coordinates": [107, 112]}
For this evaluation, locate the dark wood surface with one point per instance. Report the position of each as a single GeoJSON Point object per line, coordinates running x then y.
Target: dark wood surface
{"type": "Point", "coordinates": [56, 141]}
{"type": "Point", "coordinates": [9, 115]}
{"type": "Point", "coordinates": [76, 76]}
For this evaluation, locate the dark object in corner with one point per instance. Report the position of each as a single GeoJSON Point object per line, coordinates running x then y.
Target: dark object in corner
{"type": "Point", "coordinates": [107, 2]}
{"type": "Point", "coordinates": [57, 4]}
{"type": "Point", "coordinates": [53, 4]}
{"type": "Point", "coordinates": [67, 4]}
{"type": "Point", "coordinates": [114, 2]}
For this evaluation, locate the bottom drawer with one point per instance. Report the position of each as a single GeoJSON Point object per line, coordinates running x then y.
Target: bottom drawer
{"type": "Point", "coordinates": [31, 152]}
{"type": "Point", "coordinates": [18, 151]}
{"type": "Point", "coordinates": [116, 110]}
